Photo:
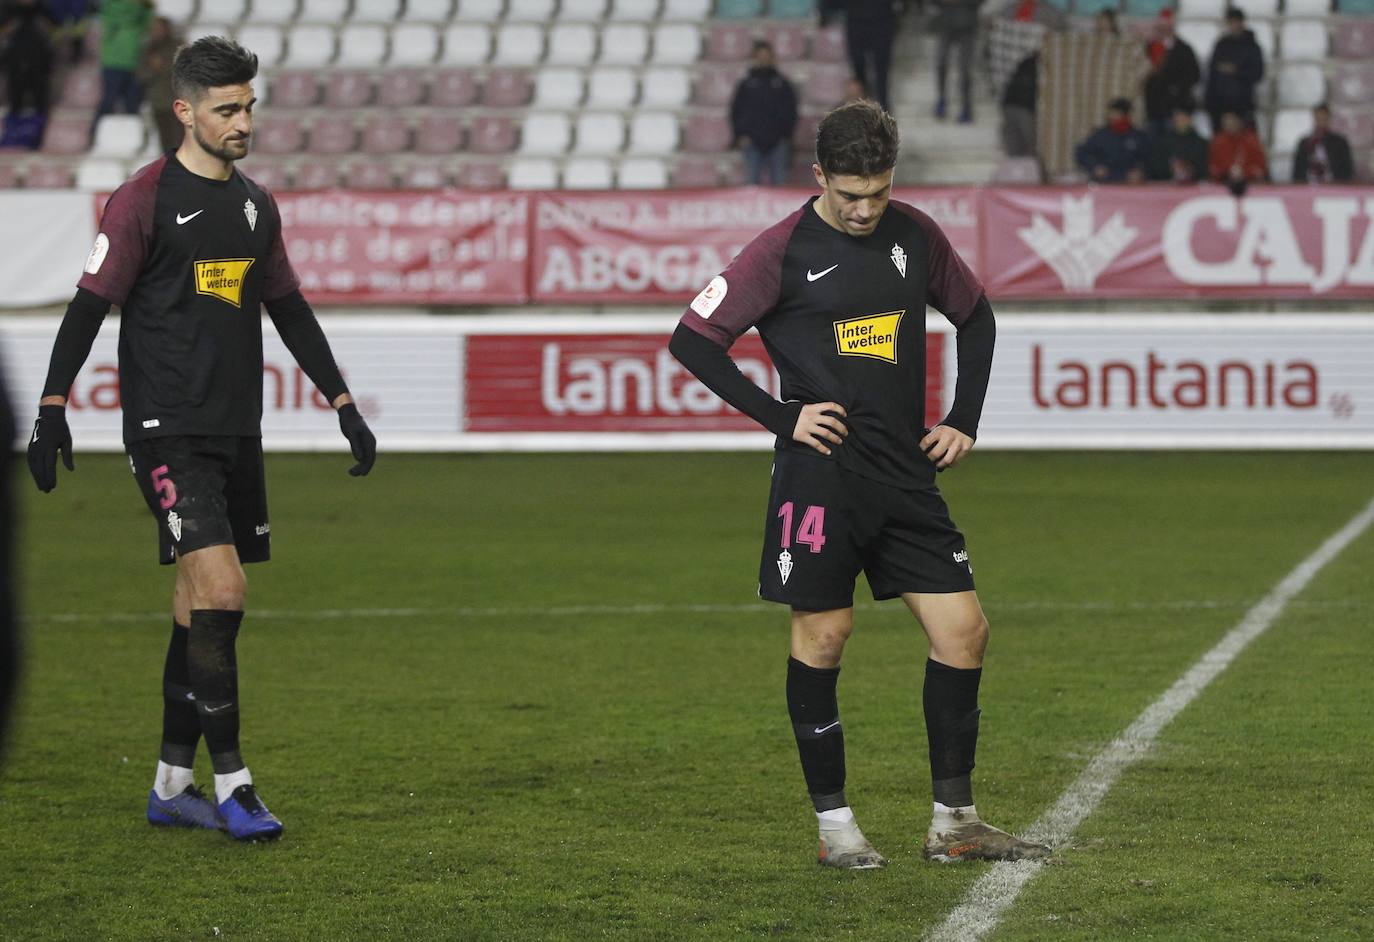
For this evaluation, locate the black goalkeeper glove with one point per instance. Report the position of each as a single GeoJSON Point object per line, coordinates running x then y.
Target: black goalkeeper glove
{"type": "Point", "coordinates": [360, 439]}
{"type": "Point", "coordinates": [50, 435]}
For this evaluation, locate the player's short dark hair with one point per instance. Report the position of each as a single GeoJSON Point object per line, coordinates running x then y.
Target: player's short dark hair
{"type": "Point", "coordinates": [859, 139]}
{"type": "Point", "coordinates": [1120, 104]}
{"type": "Point", "coordinates": [211, 62]}
{"type": "Point", "coordinates": [1235, 13]}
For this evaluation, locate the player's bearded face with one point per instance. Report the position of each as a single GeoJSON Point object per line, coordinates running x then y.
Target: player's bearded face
{"type": "Point", "coordinates": [854, 204]}
{"type": "Point", "coordinates": [222, 121]}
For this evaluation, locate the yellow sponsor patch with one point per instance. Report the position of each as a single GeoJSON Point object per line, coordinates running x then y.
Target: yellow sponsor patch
{"type": "Point", "coordinates": [223, 278]}
{"type": "Point", "coordinates": [872, 336]}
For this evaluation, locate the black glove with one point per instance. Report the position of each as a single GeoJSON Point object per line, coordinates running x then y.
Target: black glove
{"type": "Point", "coordinates": [360, 439]}
{"type": "Point", "coordinates": [50, 435]}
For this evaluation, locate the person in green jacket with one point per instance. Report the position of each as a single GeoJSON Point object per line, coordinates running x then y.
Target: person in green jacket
{"type": "Point", "coordinates": [123, 26]}
{"type": "Point", "coordinates": [1180, 153]}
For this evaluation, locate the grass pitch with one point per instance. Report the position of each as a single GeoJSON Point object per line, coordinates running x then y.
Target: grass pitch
{"type": "Point", "coordinates": [531, 697]}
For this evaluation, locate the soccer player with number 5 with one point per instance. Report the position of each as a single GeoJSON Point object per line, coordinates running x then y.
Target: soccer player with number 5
{"type": "Point", "coordinates": [191, 250]}
{"type": "Point", "coordinates": [838, 291]}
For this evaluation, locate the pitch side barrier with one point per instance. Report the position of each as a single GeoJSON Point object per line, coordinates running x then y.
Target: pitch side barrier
{"type": "Point", "coordinates": [608, 383]}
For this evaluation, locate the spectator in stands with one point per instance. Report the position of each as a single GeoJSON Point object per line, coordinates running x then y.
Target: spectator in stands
{"type": "Point", "coordinates": [1117, 152]}
{"type": "Point", "coordinates": [26, 47]}
{"type": "Point", "coordinates": [155, 81]}
{"type": "Point", "coordinates": [123, 24]}
{"type": "Point", "coordinates": [763, 115]}
{"type": "Point", "coordinates": [70, 17]}
{"type": "Point", "coordinates": [1179, 152]}
{"type": "Point", "coordinates": [956, 26]}
{"type": "Point", "coordinates": [1236, 156]}
{"type": "Point", "coordinates": [1104, 24]}
{"type": "Point", "coordinates": [870, 26]}
{"type": "Point", "coordinates": [1018, 108]}
{"type": "Point", "coordinates": [1173, 74]}
{"type": "Point", "coordinates": [1236, 68]}
{"type": "Point", "coordinates": [1323, 156]}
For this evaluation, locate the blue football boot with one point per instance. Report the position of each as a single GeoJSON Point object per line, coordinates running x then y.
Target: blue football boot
{"type": "Point", "coordinates": [190, 809]}
{"type": "Point", "coordinates": [246, 818]}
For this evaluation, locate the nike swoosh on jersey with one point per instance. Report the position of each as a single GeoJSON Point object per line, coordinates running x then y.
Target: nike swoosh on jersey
{"type": "Point", "coordinates": [183, 220]}
{"type": "Point", "coordinates": [816, 276]}
{"type": "Point", "coordinates": [820, 729]}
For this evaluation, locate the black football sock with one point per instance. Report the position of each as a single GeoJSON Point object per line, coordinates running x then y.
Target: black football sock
{"type": "Point", "coordinates": [951, 707]}
{"type": "Point", "coordinates": [180, 722]}
{"type": "Point", "coordinates": [820, 737]}
{"type": "Point", "coordinates": [215, 679]}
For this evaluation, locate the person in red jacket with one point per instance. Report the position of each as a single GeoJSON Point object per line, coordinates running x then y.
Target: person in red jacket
{"type": "Point", "coordinates": [1237, 157]}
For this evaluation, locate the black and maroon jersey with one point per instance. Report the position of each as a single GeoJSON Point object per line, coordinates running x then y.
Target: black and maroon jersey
{"type": "Point", "coordinates": [189, 261]}
{"type": "Point", "coordinates": [843, 319]}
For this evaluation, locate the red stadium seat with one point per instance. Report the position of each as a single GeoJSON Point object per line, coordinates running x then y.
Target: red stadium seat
{"type": "Point", "coordinates": [1352, 85]}
{"type": "Point", "coordinates": [369, 175]}
{"type": "Point", "coordinates": [279, 134]}
{"type": "Point", "coordinates": [507, 88]}
{"type": "Point", "coordinates": [48, 175]}
{"type": "Point", "coordinates": [317, 175]}
{"type": "Point", "coordinates": [294, 90]}
{"type": "Point", "coordinates": [825, 85]}
{"type": "Point", "coordinates": [695, 172]}
{"type": "Point", "coordinates": [492, 134]}
{"type": "Point", "coordinates": [335, 135]}
{"type": "Point", "coordinates": [789, 42]}
{"type": "Point", "coordinates": [453, 88]}
{"type": "Point", "coordinates": [729, 42]}
{"type": "Point", "coordinates": [1358, 126]}
{"type": "Point", "coordinates": [715, 86]}
{"type": "Point", "coordinates": [386, 134]}
{"type": "Point", "coordinates": [80, 89]}
{"type": "Point", "coordinates": [400, 88]}
{"type": "Point", "coordinates": [348, 89]}
{"type": "Point", "coordinates": [439, 133]}
{"type": "Point", "coordinates": [425, 175]}
{"type": "Point", "coordinates": [828, 45]}
{"type": "Point", "coordinates": [1353, 40]}
{"type": "Point", "coordinates": [480, 176]}
{"type": "Point", "coordinates": [9, 174]}
{"type": "Point", "coordinates": [66, 137]}
{"type": "Point", "coordinates": [804, 137]}
{"type": "Point", "coordinates": [706, 134]}
{"type": "Point", "coordinates": [269, 173]}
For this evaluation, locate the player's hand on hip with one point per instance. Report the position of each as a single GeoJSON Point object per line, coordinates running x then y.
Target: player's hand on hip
{"type": "Point", "coordinates": [50, 435]}
{"type": "Point", "coordinates": [946, 446]}
{"type": "Point", "coordinates": [819, 425]}
{"type": "Point", "coordinates": [360, 439]}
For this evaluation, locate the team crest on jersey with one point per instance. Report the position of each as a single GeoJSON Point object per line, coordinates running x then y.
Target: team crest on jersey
{"type": "Point", "coordinates": [784, 565]}
{"type": "Point", "coordinates": [899, 259]}
{"type": "Point", "coordinates": [223, 278]}
{"type": "Point", "coordinates": [874, 336]}
{"type": "Point", "coordinates": [174, 525]}
{"type": "Point", "coordinates": [251, 212]}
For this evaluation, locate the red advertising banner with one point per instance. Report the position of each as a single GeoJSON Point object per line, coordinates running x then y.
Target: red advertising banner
{"type": "Point", "coordinates": [433, 247]}
{"type": "Point", "coordinates": [664, 247]}
{"type": "Point", "coordinates": [618, 382]}
{"type": "Point", "coordinates": [1167, 242]}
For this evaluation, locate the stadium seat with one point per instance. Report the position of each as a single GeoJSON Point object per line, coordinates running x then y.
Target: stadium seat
{"type": "Point", "coordinates": [611, 87]}
{"type": "Point", "coordinates": [804, 135]}
{"type": "Point", "coordinates": [333, 135]}
{"type": "Point", "coordinates": [492, 134]}
{"type": "Point", "coordinates": [1147, 8]}
{"type": "Point", "coordinates": [1358, 126]}
{"type": "Point", "coordinates": [202, 28]}
{"type": "Point", "coordinates": [293, 90]}
{"type": "Point", "coordinates": [624, 44]}
{"type": "Point", "coordinates": [695, 172]}
{"type": "Point", "coordinates": [375, 11]}
{"type": "Point", "coordinates": [545, 133]}
{"type": "Point", "coordinates": [272, 174]}
{"type": "Point", "coordinates": [789, 42]}
{"type": "Point", "coordinates": [652, 133]}
{"type": "Point", "coordinates": [828, 45]}
{"type": "Point", "coordinates": [1256, 8]}
{"type": "Point", "coordinates": [385, 133]}
{"type": "Point", "coordinates": [707, 134]}
{"type": "Point", "coordinates": [1201, 9]}
{"type": "Point", "coordinates": [80, 89]}
{"type": "Point", "coordinates": [1355, 7]}
{"type": "Point", "coordinates": [1304, 39]}
{"type": "Point", "coordinates": [178, 11]}
{"type": "Point", "coordinates": [1290, 126]}
{"type": "Point", "coordinates": [1352, 85]}
{"type": "Point", "coordinates": [228, 11]}
{"type": "Point", "coordinates": [424, 175]}
{"type": "Point", "coordinates": [791, 9]}
{"type": "Point", "coordinates": [1301, 85]}
{"type": "Point", "coordinates": [1265, 37]}
{"type": "Point", "coordinates": [413, 44]}
{"type": "Point", "coordinates": [739, 9]}
{"type": "Point", "coordinates": [322, 11]}
{"type": "Point", "coordinates": [1354, 39]}
{"type": "Point", "coordinates": [316, 175]}
{"type": "Point", "coordinates": [466, 44]}
{"type": "Point", "coordinates": [49, 175]}
{"type": "Point", "coordinates": [65, 137]}
{"type": "Point", "coordinates": [824, 86]}
{"type": "Point", "coordinates": [519, 44]}
{"type": "Point", "coordinates": [676, 44]}
{"type": "Point", "coordinates": [529, 11]}
{"type": "Point", "coordinates": [666, 87]}
{"type": "Point", "coordinates": [309, 46]}
{"type": "Point", "coordinates": [439, 133]}
{"type": "Point", "coordinates": [1202, 36]}
{"type": "Point", "coordinates": [119, 136]}
{"type": "Point", "coordinates": [278, 134]}
{"type": "Point", "coordinates": [263, 11]}
{"type": "Point", "coordinates": [686, 11]}
{"type": "Point", "coordinates": [402, 88]}
{"type": "Point", "coordinates": [633, 11]}
{"type": "Point", "coordinates": [453, 88]}
{"type": "Point", "coordinates": [538, 173]}
{"type": "Point", "coordinates": [348, 89]}
{"type": "Point", "coordinates": [581, 11]}
{"type": "Point", "coordinates": [481, 11]}
{"type": "Point", "coordinates": [361, 46]}
{"type": "Point", "coordinates": [1017, 170]}
{"type": "Point", "coordinates": [1316, 8]}
{"type": "Point", "coordinates": [480, 175]}
{"type": "Point", "coordinates": [571, 44]}
{"type": "Point", "coordinates": [427, 11]}
{"type": "Point", "coordinates": [98, 174]}
{"type": "Point", "coordinates": [558, 88]}
{"type": "Point", "coordinates": [642, 173]}
{"type": "Point", "coordinates": [729, 42]}
{"type": "Point", "coordinates": [507, 88]}
{"type": "Point", "coordinates": [369, 175]}
{"type": "Point", "coordinates": [267, 42]}
{"type": "Point", "coordinates": [598, 132]}
{"type": "Point", "coordinates": [715, 86]}
{"type": "Point", "coordinates": [587, 173]}
{"type": "Point", "coordinates": [9, 175]}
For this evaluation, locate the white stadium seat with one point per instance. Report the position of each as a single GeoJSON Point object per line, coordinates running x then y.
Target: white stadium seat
{"type": "Point", "coordinates": [427, 11]}
{"type": "Point", "coordinates": [1304, 39]}
{"type": "Point", "coordinates": [688, 11]}
{"type": "Point", "coordinates": [265, 11]}
{"type": "Point", "coordinates": [482, 11]}
{"type": "Point", "coordinates": [667, 87]}
{"type": "Point", "coordinates": [528, 173]}
{"type": "Point", "coordinates": [228, 11]}
{"type": "Point", "coordinates": [466, 44]}
{"type": "Point", "coordinates": [1264, 37]}
{"type": "Point", "coordinates": [206, 28]}
{"type": "Point", "coordinates": [558, 89]}
{"type": "Point", "coordinates": [529, 11]}
{"type": "Point", "coordinates": [362, 45]}
{"type": "Point", "coordinates": [1257, 7]}
{"type": "Point", "coordinates": [642, 173]}
{"type": "Point", "coordinates": [634, 11]}
{"type": "Point", "coordinates": [653, 132]}
{"type": "Point", "coordinates": [581, 11]}
{"type": "Point", "coordinates": [518, 44]}
{"type": "Point", "coordinates": [1202, 9]}
{"type": "Point", "coordinates": [310, 46]}
{"type": "Point", "coordinates": [571, 44]}
{"type": "Point", "coordinates": [676, 44]}
{"type": "Point", "coordinates": [1202, 36]}
{"type": "Point", "coordinates": [587, 173]}
{"type": "Point", "coordinates": [322, 11]}
{"type": "Point", "coordinates": [1307, 7]}
{"type": "Point", "coordinates": [413, 44]}
{"type": "Point", "coordinates": [1301, 85]}
{"type": "Point", "coordinates": [1290, 126]}
{"type": "Point", "coordinates": [178, 11]}
{"type": "Point", "coordinates": [118, 136]}
{"type": "Point", "coordinates": [100, 174]}
{"type": "Point", "coordinates": [611, 87]}
{"type": "Point", "coordinates": [545, 133]}
{"type": "Point", "coordinates": [375, 11]}
{"type": "Point", "coordinates": [599, 132]}
{"type": "Point", "coordinates": [624, 44]}
{"type": "Point", "coordinates": [267, 42]}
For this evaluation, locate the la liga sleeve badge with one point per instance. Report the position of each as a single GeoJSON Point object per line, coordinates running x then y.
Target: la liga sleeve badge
{"type": "Point", "coordinates": [706, 303]}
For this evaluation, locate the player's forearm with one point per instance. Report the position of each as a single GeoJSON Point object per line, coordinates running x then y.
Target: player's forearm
{"type": "Point", "coordinates": [711, 364]}
{"type": "Point", "coordinates": [80, 325]}
{"type": "Point", "coordinates": [301, 333]}
{"type": "Point", "coordinates": [976, 339]}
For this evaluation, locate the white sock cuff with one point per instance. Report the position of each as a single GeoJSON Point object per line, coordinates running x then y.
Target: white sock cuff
{"type": "Point", "coordinates": [946, 809]}
{"type": "Point", "coordinates": [836, 817]}
{"type": "Point", "coordinates": [171, 780]}
{"type": "Point", "coordinates": [225, 784]}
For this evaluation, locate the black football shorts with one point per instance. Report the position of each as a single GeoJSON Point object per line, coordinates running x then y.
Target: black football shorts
{"type": "Point", "coordinates": [204, 490]}
{"type": "Point", "coordinates": [826, 525]}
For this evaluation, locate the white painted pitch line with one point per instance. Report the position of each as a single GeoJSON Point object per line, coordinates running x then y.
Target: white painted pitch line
{"type": "Point", "coordinates": [993, 894]}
